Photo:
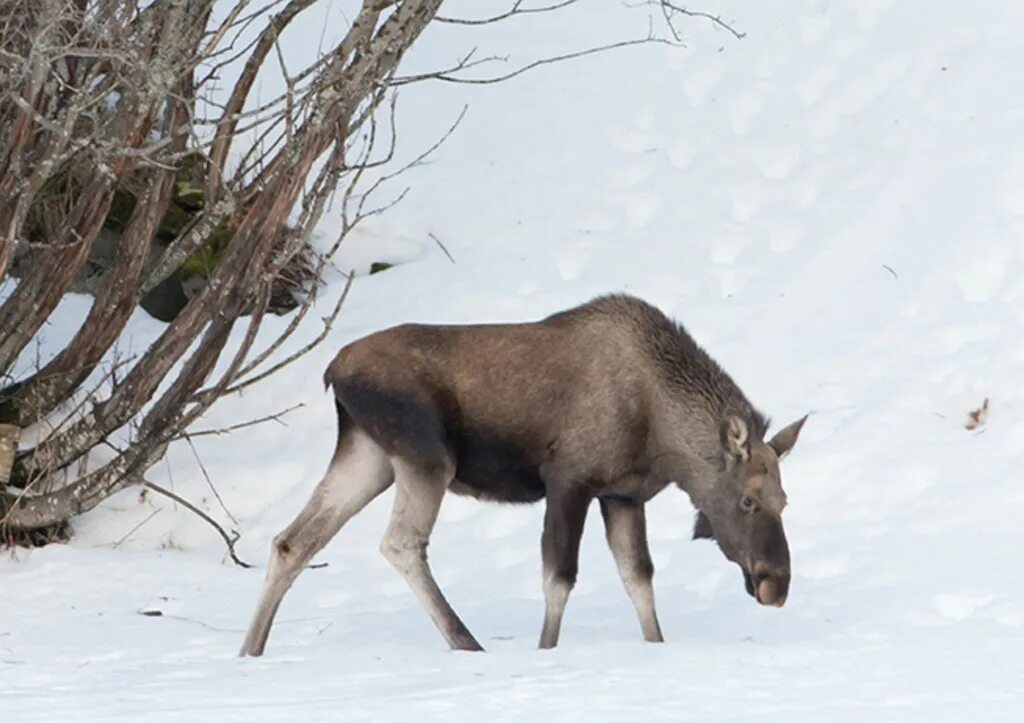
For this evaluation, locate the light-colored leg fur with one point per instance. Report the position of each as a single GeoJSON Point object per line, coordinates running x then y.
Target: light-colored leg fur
{"type": "Point", "coordinates": [556, 596]}
{"type": "Point", "coordinates": [626, 531]}
{"type": "Point", "coordinates": [359, 471]}
{"type": "Point", "coordinates": [418, 495]}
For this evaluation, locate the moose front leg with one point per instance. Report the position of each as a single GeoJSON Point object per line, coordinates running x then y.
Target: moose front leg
{"type": "Point", "coordinates": [626, 530]}
{"type": "Point", "coordinates": [560, 547]}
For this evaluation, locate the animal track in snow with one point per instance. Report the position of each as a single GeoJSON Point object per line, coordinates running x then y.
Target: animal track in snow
{"type": "Point", "coordinates": [333, 599]}
{"type": "Point", "coordinates": [644, 119]}
{"type": "Point", "coordinates": [594, 221]}
{"type": "Point", "coordinates": [636, 139]}
{"type": "Point", "coordinates": [731, 281]}
{"type": "Point", "coordinates": [783, 236]}
{"type": "Point", "coordinates": [1013, 294]}
{"type": "Point", "coordinates": [726, 249]}
{"type": "Point", "coordinates": [630, 177]}
{"type": "Point", "coordinates": [633, 140]}
{"type": "Point", "coordinates": [776, 162]}
{"type": "Point", "coordinates": [960, 605]}
{"type": "Point", "coordinates": [859, 94]}
{"type": "Point", "coordinates": [747, 202]}
{"type": "Point", "coordinates": [825, 567]}
{"type": "Point", "coordinates": [1009, 614]}
{"type": "Point", "coordinates": [983, 275]}
{"type": "Point", "coordinates": [1013, 188]}
{"type": "Point", "coordinates": [869, 12]}
{"type": "Point", "coordinates": [680, 155]}
{"type": "Point", "coordinates": [812, 28]}
{"type": "Point", "coordinates": [1015, 438]}
{"type": "Point", "coordinates": [907, 481]}
{"type": "Point", "coordinates": [707, 584]}
{"type": "Point", "coordinates": [640, 208]}
{"type": "Point", "coordinates": [743, 111]}
{"type": "Point", "coordinates": [804, 195]}
{"type": "Point", "coordinates": [823, 119]}
{"type": "Point", "coordinates": [700, 82]}
{"type": "Point", "coordinates": [570, 260]}
{"type": "Point", "coordinates": [811, 89]}
{"type": "Point", "coordinates": [954, 337]}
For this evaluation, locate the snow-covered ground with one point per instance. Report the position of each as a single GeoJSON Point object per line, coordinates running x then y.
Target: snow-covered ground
{"type": "Point", "coordinates": [833, 205]}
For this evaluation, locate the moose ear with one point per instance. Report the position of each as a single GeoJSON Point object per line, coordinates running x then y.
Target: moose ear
{"type": "Point", "coordinates": [785, 438]}
{"type": "Point", "coordinates": [736, 438]}
{"type": "Point", "coordinates": [702, 528]}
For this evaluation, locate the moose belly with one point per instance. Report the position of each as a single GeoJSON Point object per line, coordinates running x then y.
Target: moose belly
{"type": "Point", "coordinates": [498, 471]}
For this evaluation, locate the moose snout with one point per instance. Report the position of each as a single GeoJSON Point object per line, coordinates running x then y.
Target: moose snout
{"type": "Point", "coordinates": [770, 583]}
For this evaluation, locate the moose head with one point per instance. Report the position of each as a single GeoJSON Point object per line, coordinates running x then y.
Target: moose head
{"type": "Point", "coordinates": [743, 511]}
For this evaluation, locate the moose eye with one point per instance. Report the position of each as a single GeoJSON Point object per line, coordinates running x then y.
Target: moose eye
{"type": "Point", "coordinates": [747, 504]}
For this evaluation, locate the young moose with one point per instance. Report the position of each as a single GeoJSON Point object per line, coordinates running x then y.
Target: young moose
{"type": "Point", "coordinates": [610, 401]}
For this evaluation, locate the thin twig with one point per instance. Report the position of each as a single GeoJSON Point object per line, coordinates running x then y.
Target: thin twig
{"type": "Point", "coordinates": [153, 613]}
{"type": "Point", "coordinates": [213, 523]}
{"type": "Point", "coordinates": [132, 531]}
{"type": "Point", "coordinates": [328, 323]}
{"type": "Point", "coordinates": [242, 425]}
{"type": "Point", "coordinates": [441, 245]}
{"type": "Point", "coordinates": [516, 10]}
{"type": "Point", "coordinates": [448, 78]}
{"type": "Point", "coordinates": [195, 453]}
{"type": "Point", "coordinates": [715, 19]}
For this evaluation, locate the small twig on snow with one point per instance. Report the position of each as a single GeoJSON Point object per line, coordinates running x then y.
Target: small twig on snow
{"type": "Point", "coordinates": [132, 531]}
{"type": "Point", "coordinates": [441, 245]}
{"type": "Point", "coordinates": [213, 523]}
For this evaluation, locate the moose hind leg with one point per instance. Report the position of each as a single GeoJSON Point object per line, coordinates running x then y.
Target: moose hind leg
{"type": "Point", "coordinates": [626, 530]}
{"type": "Point", "coordinates": [560, 547]}
{"type": "Point", "coordinates": [358, 472]}
{"type": "Point", "coordinates": [418, 495]}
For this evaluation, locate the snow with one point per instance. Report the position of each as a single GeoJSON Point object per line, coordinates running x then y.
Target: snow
{"type": "Point", "coordinates": [833, 206]}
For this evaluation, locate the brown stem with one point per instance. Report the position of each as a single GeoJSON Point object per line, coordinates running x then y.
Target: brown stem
{"type": "Point", "coordinates": [367, 55]}
{"type": "Point", "coordinates": [229, 118]}
{"type": "Point", "coordinates": [36, 396]}
{"type": "Point", "coordinates": [52, 273]}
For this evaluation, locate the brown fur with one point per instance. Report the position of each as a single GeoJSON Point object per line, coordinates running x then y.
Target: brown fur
{"type": "Point", "coordinates": [610, 400]}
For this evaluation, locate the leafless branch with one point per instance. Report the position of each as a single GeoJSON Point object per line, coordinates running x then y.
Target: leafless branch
{"type": "Point", "coordinates": [449, 77]}
{"type": "Point", "coordinates": [516, 9]}
{"type": "Point", "coordinates": [276, 417]}
{"type": "Point", "coordinates": [295, 356]}
{"type": "Point", "coordinates": [669, 9]}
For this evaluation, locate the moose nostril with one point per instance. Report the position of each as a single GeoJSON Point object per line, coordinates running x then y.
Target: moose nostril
{"type": "Point", "coordinates": [763, 572]}
{"type": "Point", "coordinates": [771, 584]}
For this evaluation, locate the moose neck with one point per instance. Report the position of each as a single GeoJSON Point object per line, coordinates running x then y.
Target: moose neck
{"type": "Point", "coordinates": [694, 464]}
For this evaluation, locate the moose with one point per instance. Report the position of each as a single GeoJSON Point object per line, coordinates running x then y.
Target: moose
{"type": "Point", "coordinates": [609, 401]}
